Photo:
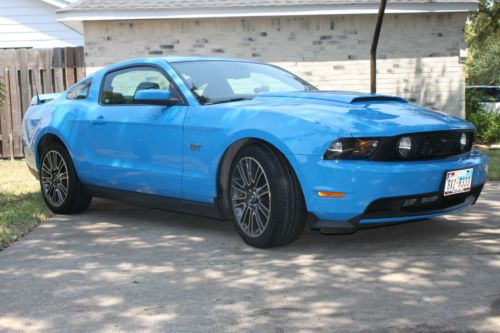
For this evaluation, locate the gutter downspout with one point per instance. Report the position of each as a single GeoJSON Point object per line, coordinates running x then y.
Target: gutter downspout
{"type": "Point", "coordinates": [373, 50]}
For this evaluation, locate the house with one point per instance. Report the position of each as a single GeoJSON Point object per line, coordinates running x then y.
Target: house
{"type": "Point", "coordinates": [326, 42]}
{"type": "Point", "coordinates": [33, 24]}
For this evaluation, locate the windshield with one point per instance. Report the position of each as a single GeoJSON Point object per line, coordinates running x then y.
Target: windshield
{"type": "Point", "coordinates": [214, 81]}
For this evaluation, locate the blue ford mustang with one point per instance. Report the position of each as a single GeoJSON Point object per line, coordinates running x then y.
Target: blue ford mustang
{"type": "Point", "coordinates": [250, 142]}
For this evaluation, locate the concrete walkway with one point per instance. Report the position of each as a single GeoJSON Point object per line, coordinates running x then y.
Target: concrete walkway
{"type": "Point", "coordinates": [121, 268]}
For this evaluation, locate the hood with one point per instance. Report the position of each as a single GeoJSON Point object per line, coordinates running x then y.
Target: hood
{"type": "Point", "coordinates": [355, 114]}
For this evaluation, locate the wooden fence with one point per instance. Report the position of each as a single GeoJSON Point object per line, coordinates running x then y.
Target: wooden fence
{"type": "Point", "coordinates": [25, 72]}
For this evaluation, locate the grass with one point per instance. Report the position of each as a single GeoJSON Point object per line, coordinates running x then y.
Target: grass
{"type": "Point", "coordinates": [494, 172]}
{"type": "Point", "coordinates": [21, 203]}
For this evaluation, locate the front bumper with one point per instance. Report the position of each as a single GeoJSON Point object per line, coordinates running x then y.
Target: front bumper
{"type": "Point", "coordinates": [395, 210]}
{"type": "Point", "coordinates": [375, 192]}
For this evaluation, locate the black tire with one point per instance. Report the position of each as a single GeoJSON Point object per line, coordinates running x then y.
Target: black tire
{"type": "Point", "coordinates": [76, 199]}
{"type": "Point", "coordinates": [287, 214]}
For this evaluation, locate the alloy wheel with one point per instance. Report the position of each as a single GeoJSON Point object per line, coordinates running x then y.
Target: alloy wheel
{"type": "Point", "coordinates": [54, 178]}
{"type": "Point", "coordinates": [250, 196]}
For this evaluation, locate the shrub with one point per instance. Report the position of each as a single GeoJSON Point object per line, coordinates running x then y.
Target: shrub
{"type": "Point", "coordinates": [487, 123]}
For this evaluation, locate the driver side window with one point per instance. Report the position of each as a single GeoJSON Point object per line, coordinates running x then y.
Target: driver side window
{"type": "Point", "coordinates": [121, 86]}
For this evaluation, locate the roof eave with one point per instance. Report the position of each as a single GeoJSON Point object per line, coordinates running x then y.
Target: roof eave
{"type": "Point", "coordinates": [74, 18]}
{"type": "Point", "coordinates": [57, 3]}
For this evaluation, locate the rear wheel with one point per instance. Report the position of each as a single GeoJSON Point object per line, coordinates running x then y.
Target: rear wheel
{"type": "Point", "coordinates": [267, 204]}
{"type": "Point", "coordinates": [61, 189]}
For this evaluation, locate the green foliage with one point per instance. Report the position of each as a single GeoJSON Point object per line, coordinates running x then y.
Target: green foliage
{"type": "Point", "coordinates": [483, 67]}
{"type": "Point", "coordinates": [487, 123]}
{"type": "Point", "coordinates": [483, 38]}
{"type": "Point", "coordinates": [484, 24]}
{"type": "Point", "coordinates": [488, 126]}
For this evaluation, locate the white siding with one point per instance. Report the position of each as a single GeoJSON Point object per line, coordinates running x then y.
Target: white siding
{"type": "Point", "coordinates": [32, 23]}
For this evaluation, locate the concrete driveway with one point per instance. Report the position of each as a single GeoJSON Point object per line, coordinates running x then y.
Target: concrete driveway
{"type": "Point", "coordinates": [122, 268]}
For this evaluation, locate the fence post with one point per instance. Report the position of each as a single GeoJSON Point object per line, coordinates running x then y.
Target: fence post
{"type": "Point", "coordinates": [5, 126]}
{"type": "Point", "coordinates": [15, 103]}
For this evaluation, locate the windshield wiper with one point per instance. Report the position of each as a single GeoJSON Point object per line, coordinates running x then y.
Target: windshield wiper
{"type": "Point", "coordinates": [228, 100]}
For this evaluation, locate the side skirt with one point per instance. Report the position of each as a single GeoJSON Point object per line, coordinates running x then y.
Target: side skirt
{"type": "Point", "coordinates": [156, 201]}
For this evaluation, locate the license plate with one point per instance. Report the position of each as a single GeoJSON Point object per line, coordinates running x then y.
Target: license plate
{"type": "Point", "coordinates": [458, 181]}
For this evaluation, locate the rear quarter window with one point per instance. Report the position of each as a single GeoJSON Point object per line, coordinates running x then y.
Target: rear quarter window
{"type": "Point", "coordinates": [80, 91]}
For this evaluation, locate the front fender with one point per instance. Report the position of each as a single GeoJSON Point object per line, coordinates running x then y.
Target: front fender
{"type": "Point", "coordinates": [209, 132]}
{"type": "Point", "coordinates": [221, 169]}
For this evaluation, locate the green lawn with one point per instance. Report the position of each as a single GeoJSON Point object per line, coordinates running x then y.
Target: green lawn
{"type": "Point", "coordinates": [21, 203]}
{"type": "Point", "coordinates": [494, 173]}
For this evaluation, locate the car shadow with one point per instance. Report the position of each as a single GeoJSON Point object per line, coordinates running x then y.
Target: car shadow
{"type": "Point", "coordinates": [421, 237]}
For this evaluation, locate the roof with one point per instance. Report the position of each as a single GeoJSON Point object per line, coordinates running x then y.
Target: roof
{"type": "Point", "coordinates": [105, 10]}
{"type": "Point", "coordinates": [168, 59]}
{"type": "Point", "coordinates": [174, 59]}
{"type": "Point", "coordinates": [86, 5]}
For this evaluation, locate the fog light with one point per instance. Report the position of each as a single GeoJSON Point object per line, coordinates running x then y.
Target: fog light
{"type": "Point", "coordinates": [463, 142]}
{"type": "Point", "coordinates": [429, 199]}
{"type": "Point", "coordinates": [404, 146]}
{"type": "Point", "coordinates": [409, 202]}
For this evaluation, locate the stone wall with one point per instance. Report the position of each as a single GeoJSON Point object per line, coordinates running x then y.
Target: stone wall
{"type": "Point", "coordinates": [419, 54]}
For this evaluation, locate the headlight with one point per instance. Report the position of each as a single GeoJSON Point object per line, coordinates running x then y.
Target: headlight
{"type": "Point", "coordinates": [351, 149]}
{"type": "Point", "coordinates": [404, 146]}
{"type": "Point", "coordinates": [464, 142]}
{"type": "Point", "coordinates": [336, 148]}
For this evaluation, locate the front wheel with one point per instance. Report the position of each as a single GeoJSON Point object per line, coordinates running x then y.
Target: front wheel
{"type": "Point", "coordinates": [61, 188]}
{"type": "Point", "coordinates": [267, 203]}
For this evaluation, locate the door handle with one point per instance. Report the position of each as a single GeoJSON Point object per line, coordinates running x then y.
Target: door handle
{"type": "Point", "coordinates": [98, 121]}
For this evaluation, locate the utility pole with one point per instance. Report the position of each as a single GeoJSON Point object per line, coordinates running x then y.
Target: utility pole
{"type": "Point", "coordinates": [373, 50]}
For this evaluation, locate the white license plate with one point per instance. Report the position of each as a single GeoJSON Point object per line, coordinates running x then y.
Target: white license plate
{"type": "Point", "coordinates": [458, 181]}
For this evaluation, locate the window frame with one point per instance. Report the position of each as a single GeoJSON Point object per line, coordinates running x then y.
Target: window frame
{"type": "Point", "coordinates": [88, 81]}
{"type": "Point", "coordinates": [182, 99]}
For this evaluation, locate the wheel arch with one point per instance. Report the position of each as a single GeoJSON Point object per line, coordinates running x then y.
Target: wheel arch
{"type": "Point", "coordinates": [224, 167]}
{"type": "Point", "coordinates": [44, 140]}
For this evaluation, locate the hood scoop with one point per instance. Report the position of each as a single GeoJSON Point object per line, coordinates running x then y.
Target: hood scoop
{"type": "Point", "coordinates": [377, 98]}
{"type": "Point", "coordinates": [337, 96]}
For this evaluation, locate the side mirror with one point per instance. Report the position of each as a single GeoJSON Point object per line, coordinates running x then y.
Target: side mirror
{"type": "Point", "coordinates": [155, 97]}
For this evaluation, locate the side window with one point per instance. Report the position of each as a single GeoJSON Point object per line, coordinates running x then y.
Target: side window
{"type": "Point", "coordinates": [80, 91]}
{"type": "Point", "coordinates": [120, 86]}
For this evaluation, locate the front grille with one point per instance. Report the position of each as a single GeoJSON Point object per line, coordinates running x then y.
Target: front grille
{"type": "Point", "coordinates": [440, 144]}
{"type": "Point", "coordinates": [425, 146]}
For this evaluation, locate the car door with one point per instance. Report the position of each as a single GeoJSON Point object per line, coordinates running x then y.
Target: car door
{"type": "Point", "coordinates": [136, 147]}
